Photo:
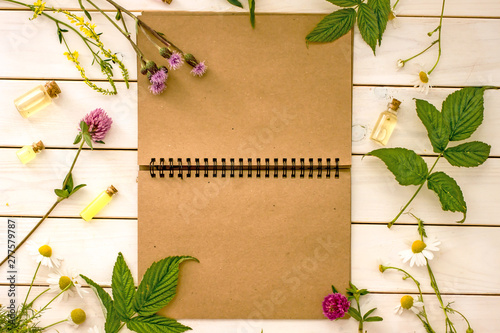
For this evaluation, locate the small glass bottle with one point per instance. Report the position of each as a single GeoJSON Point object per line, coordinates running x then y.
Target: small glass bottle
{"type": "Point", "coordinates": [37, 99]}
{"type": "Point", "coordinates": [98, 203]}
{"type": "Point", "coordinates": [27, 153]}
{"type": "Point", "coordinates": [386, 123]}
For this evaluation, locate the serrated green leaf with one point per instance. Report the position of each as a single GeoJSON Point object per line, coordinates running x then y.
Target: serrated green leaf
{"type": "Point", "coordinates": [408, 167]}
{"type": "Point", "coordinates": [368, 313]}
{"type": "Point", "coordinates": [345, 3]}
{"type": "Point", "coordinates": [449, 193]}
{"type": "Point", "coordinates": [78, 138]}
{"type": "Point", "coordinates": [158, 286]}
{"type": "Point", "coordinates": [88, 140]}
{"type": "Point", "coordinates": [251, 4]}
{"type": "Point", "coordinates": [104, 297]}
{"type": "Point", "coordinates": [382, 9]}
{"type": "Point", "coordinates": [333, 26]}
{"type": "Point", "coordinates": [69, 182]}
{"type": "Point", "coordinates": [354, 313]}
{"type": "Point", "coordinates": [156, 324]}
{"type": "Point", "coordinates": [235, 3]}
{"type": "Point", "coordinates": [122, 285]}
{"type": "Point", "coordinates": [438, 130]}
{"type": "Point", "coordinates": [368, 26]}
{"type": "Point", "coordinates": [374, 318]}
{"type": "Point", "coordinates": [113, 322]}
{"type": "Point", "coordinates": [463, 112]}
{"type": "Point", "coordinates": [470, 154]}
{"type": "Point", "coordinates": [61, 193]}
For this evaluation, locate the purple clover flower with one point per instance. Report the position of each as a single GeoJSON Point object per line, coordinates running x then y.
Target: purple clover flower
{"type": "Point", "coordinates": [335, 306]}
{"type": "Point", "coordinates": [175, 61]}
{"type": "Point", "coordinates": [99, 124]}
{"type": "Point", "coordinates": [199, 69]}
{"type": "Point", "coordinates": [160, 76]}
{"type": "Point", "coordinates": [157, 88]}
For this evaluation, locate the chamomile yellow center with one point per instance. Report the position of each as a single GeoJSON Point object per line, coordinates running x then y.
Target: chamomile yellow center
{"type": "Point", "coordinates": [78, 316]}
{"type": "Point", "coordinates": [406, 302]}
{"type": "Point", "coordinates": [423, 77]}
{"type": "Point", "coordinates": [45, 251]}
{"type": "Point", "coordinates": [418, 246]}
{"type": "Point", "coordinates": [64, 282]}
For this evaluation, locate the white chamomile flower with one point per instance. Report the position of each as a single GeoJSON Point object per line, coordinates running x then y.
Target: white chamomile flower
{"type": "Point", "coordinates": [43, 254]}
{"type": "Point", "coordinates": [420, 252]}
{"type": "Point", "coordinates": [400, 64]}
{"type": "Point", "coordinates": [423, 80]}
{"type": "Point", "coordinates": [408, 303]}
{"type": "Point", "coordinates": [76, 317]}
{"type": "Point", "coordinates": [61, 279]}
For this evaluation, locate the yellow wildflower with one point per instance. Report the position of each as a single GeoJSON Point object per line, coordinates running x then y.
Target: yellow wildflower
{"type": "Point", "coordinates": [38, 8]}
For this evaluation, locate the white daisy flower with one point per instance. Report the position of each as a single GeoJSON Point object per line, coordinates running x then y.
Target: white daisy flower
{"type": "Point", "coordinates": [43, 254]}
{"type": "Point", "coordinates": [59, 280]}
{"type": "Point", "coordinates": [423, 81]}
{"type": "Point", "coordinates": [408, 303]}
{"type": "Point", "coordinates": [77, 317]}
{"type": "Point", "coordinates": [400, 64]}
{"type": "Point", "coordinates": [420, 252]}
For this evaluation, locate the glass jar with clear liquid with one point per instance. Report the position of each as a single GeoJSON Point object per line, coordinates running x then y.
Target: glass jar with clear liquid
{"type": "Point", "coordinates": [386, 123]}
{"type": "Point", "coordinates": [37, 99]}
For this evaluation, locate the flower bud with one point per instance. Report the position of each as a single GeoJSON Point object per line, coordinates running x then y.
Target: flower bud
{"type": "Point", "coordinates": [469, 330]}
{"type": "Point", "coordinates": [165, 52]}
{"type": "Point", "coordinates": [190, 59]}
{"type": "Point", "coordinates": [151, 66]}
{"type": "Point", "coordinates": [144, 70]}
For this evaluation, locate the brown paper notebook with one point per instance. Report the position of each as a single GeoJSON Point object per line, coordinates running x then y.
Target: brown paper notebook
{"type": "Point", "coordinates": [248, 168]}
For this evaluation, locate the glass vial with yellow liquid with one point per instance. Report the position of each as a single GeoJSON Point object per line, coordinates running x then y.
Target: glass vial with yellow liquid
{"type": "Point", "coordinates": [37, 99]}
{"type": "Point", "coordinates": [98, 203]}
{"type": "Point", "coordinates": [27, 153]}
{"type": "Point", "coordinates": [386, 123]}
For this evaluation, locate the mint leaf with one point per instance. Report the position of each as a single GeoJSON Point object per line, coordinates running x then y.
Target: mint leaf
{"type": "Point", "coordinates": [235, 3]}
{"type": "Point", "coordinates": [470, 154]}
{"type": "Point", "coordinates": [104, 297]}
{"type": "Point", "coordinates": [333, 26]}
{"type": "Point", "coordinates": [61, 193]}
{"type": "Point", "coordinates": [463, 112]}
{"type": "Point", "coordinates": [449, 193]}
{"type": "Point", "coordinates": [113, 323]}
{"type": "Point", "coordinates": [345, 3]}
{"type": "Point", "coordinates": [123, 288]}
{"type": "Point", "coordinates": [368, 25]}
{"type": "Point", "coordinates": [158, 285]}
{"type": "Point", "coordinates": [408, 167]}
{"type": "Point", "coordinates": [251, 4]}
{"type": "Point", "coordinates": [382, 9]}
{"type": "Point", "coordinates": [438, 130]}
{"type": "Point", "coordinates": [156, 324]}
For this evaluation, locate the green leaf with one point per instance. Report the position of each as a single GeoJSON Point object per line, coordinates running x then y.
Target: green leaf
{"type": "Point", "coordinates": [235, 3]}
{"type": "Point", "coordinates": [69, 183]}
{"type": "Point", "coordinates": [104, 297]}
{"type": "Point", "coordinates": [87, 14]}
{"type": "Point", "coordinates": [408, 167]}
{"type": "Point", "coordinates": [84, 127]}
{"type": "Point", "coordinates": [449, 193]}
{"type": "Point", "coordinates": [469, 154]}
{"type": "Point", "coordinates": [251, 4]}
{"type": "Point", "coordinates": [61, 193]}
{"type": "Point", "coordinates": [438, 130]}
{"type": "Point", "coordinates": [374, 318]}
{"type": "Point", "coordinates": [158, 286]}
{"type": "Point", "coordinates": [368, 26]}
{"type": "Point", "coordinates": [354, 313]}
{"type": "Point", "coordinates": [345, 3]}
{"type": "Point", "coordinates": [382, 9]}
{"type": "Point", "coordinates": [88, 140]}
{"type": "Point", "coordinates": [118, 16]}
{"type": "Point", "coordinates": [77, 188]}
{"type": "Point", "coordinates": [463, 112]}
{"type": "Point", "coordinates": [368, 313]}
{"type": "Point", "coordinates": [333, 26]}
{"type": "Point", "coordinates": [334, 290]}
{"type": "Point", "coordinates": [78, 138]}
{"type": "Point", "coordinates": [156, 324]}
{"type": "Point", "coordinates": [59, 35]}
{"type": "Point", "coordinates": [100, 141]}
{"type": "Point", "coordinates": [122, 284]}
{"type": "Point", "coordinates": [113, 322]}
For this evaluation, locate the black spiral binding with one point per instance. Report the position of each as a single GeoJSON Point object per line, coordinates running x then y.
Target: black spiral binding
{"type": "Point", "coordinates": [301, 168]}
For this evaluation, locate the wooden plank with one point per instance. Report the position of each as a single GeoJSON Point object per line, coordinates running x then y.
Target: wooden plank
{"type": "Point", "coordinates": [459, 266]}
{"type": "Point", "coordinates": [369, 102]}
{"type": "Point", "coordinates": [28, 190]}
{"type": "Point", "coordinates": [65, 114]}
{"type": "Point", "coordinates": [377, 197]}
{"type": "Point", "coordinates": [465, 8]}
{"type": "Point", "coordinates": [472, 306]}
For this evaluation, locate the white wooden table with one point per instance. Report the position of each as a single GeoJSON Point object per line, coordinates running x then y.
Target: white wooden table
{"type": "Point", "coordinates": [467, 267]}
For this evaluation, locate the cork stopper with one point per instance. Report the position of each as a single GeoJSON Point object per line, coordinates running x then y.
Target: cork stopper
{"type": "Point", "coordinates": [52, 89]}
{"type": "Point", "coordinates": [38, 146]}
{"type": "Point", "coordinates": [394, 105]}
{"type": "Point", "coordinates": [111, 190]}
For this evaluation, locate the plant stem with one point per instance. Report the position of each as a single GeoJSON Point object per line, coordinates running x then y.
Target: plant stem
{"type": "Point", "coordinates": [61, 321]}
{"type": "Point", "coordinates": [438, 295]}
{"type": "Point", "coordinates": [414, 195]}
{"type": "Point", "coordinates": [440, 28]}
{"type": "Point", "coordinates": [59, 199]}
{"type": "Point", "coordinates": [73, 164]}
{"type": "Point", "coordinates": [418, 54]}
{"type": "Point", "coordinates": [31, 284]}
{"type": "Point", "coordinates": [52, 300]}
